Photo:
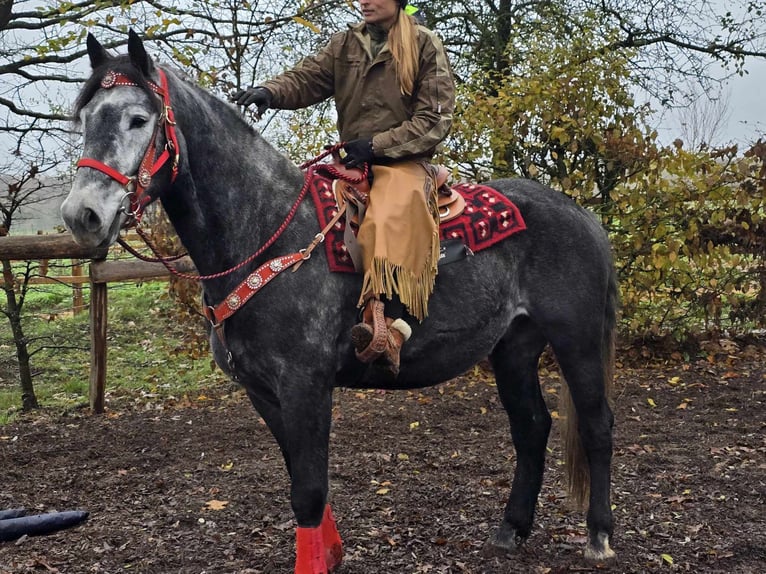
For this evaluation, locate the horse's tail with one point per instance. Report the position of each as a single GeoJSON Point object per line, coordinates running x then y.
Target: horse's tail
{"type": "Point", "coordinates": [575, 460]}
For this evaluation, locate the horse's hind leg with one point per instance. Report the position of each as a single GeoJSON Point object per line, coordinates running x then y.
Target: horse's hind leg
{"type": "Point", "coordinates": [584, 363]}
{"type": "Point", "coordinates": [515, 363]}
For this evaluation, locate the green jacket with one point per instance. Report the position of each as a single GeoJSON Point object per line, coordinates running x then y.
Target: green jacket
{"type": "Point", "coordinates": [368, 99]}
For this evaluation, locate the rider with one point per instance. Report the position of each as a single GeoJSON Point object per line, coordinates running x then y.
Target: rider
{"type": "Point", "coordinates": [394, 94]}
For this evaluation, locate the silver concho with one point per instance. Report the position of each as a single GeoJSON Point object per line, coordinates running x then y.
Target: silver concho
{"type": "Point", "coordinates": [233, 302]}
{"type": "Point", "coordinates": [254, 281]}
{"type": "Point", "coordinates": [144, 178]}
{"type": "Point", "coordinates": [109, 79]}
{"type": "Point", "coordinates": [276, 266]}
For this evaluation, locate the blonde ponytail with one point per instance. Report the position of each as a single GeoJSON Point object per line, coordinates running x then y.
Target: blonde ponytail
{"type": "Point", "coordinates": [403, 43]}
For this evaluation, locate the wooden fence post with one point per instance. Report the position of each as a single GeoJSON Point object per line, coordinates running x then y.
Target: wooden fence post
{"type": "Point", "coordinates": [98, 318]}
{"type": "Point", "coordinates": [77, 303]}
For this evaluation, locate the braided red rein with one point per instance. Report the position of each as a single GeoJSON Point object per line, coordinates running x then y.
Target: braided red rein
{"type": "Point", "coordinates": [291, 214]}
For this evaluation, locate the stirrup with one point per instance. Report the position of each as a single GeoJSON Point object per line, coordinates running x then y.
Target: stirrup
{"type": "Point", "coordinates": [371, 336]}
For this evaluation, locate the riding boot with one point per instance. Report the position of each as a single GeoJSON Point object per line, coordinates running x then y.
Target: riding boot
{"type": "Point", "coordinates": [398, 333]}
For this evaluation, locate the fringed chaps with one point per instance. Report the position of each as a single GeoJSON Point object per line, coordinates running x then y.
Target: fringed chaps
{"type": "Point", "coordinates": [399, 236]}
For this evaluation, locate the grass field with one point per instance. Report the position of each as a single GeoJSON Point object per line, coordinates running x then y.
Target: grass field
{"type": "Point", "coordinates": [150, 353]}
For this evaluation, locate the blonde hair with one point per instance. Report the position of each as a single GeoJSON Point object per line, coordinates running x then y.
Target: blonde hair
{"type": "Point", "coordinates": [403, 43]}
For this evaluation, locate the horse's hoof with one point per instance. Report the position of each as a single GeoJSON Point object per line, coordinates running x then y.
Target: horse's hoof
{"type": "Point", "coordinates": [598, 550]}
{"type": "Point", "coordinates": [333, 557]}
{"type": "Point", "coordinates": [505, 540]}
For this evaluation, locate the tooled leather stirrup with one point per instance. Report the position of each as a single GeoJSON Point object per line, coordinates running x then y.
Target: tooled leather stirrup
{"type": "Point", "coordinates": [371, 335]}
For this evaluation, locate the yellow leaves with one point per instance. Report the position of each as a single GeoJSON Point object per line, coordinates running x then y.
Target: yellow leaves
{"type": "Point", "coordinates": [384, 487]}
{"type": "Point", "coordinates": [560, 135]}
{"type": "Point", "coordinates": [414, 425]}
{"type": "Point", "coordinates": [216, 505]}
{"type": "Point", "coordinates": [667, 559]}
{"type": "Point", "coordinates": [403, 456]}
{"type": "Point", "coordinates": [310, 25]}
{"type": "Point", "coordinates": [651, 402]}
{"type": "Point", "coordinates": [227, 466]}
{"type": "Point", "coordinates": [674, 380]}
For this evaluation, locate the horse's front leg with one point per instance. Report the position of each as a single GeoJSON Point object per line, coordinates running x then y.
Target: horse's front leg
{"type": "Point", "coordinates": [306, 416]}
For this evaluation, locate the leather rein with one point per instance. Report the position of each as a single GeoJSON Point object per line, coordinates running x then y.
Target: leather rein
{"type": "Point", "coordinates": [136, 190]}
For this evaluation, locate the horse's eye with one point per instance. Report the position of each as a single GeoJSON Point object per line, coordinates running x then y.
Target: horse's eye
{"type": "Point", "coordinates": [137, 122]}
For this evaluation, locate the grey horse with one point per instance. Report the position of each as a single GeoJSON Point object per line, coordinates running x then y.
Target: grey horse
{"type": "Point", "coordinates": [229, 191]}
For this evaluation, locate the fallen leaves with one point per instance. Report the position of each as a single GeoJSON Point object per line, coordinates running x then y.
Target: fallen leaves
{"type": "Point", "coordinates": [216, 504]}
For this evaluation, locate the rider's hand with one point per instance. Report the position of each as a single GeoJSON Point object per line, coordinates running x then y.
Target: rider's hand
{"type": "Point", "coordinates": [358, 153]}
{"type": "Point", "coordinates": [258, 95]}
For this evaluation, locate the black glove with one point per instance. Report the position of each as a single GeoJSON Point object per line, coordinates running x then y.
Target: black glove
{"type": "Point", "coordinates": [258, 95]}
{"type": "Point", "coordinates": [358, 153]}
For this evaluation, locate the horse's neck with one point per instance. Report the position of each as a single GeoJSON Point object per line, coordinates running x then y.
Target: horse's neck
{"type": "Point", "coordinates": [233, 189]}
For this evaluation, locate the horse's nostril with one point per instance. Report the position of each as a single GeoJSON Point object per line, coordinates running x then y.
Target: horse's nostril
{"type": "Point", "coordinates": [91, 221]}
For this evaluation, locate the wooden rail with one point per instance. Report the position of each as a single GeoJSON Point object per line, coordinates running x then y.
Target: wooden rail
{"type": "Point", "coordinates": [101, 272]}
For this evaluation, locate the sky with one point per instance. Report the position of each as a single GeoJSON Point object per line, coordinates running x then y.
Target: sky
{"type": "Point", "coordinates": [747, 108]}
{"type": "Point", "coordinates": [747, 97]}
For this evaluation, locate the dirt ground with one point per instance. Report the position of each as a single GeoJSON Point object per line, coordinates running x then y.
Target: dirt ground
{"type": "Point", "coordinates": [419, 479]}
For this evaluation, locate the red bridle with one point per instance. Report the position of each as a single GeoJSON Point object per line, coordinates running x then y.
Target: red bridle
{"type": "Point", "coordinates": [150, 164]}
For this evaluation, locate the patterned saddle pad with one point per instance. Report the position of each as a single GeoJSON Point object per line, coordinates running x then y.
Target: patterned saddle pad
{"type": "Point", "coordinates": [489, 217]}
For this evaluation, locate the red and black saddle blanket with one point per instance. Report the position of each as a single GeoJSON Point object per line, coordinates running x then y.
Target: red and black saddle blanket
{"type": "Point", "coordinates": [489, 217]}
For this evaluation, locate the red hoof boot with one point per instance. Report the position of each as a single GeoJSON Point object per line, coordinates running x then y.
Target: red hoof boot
{"type": "Point", "coordinates": [333, 546]}
{"type": "Point", "coordinates": [309, 551]}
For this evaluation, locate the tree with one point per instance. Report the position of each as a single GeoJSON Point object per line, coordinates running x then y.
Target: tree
{"type": "Point", "coordinates": [5, 12]}
{"type": "Point", "coordinates": [665, 42]}
{"type": "Point", "coordinates": [18, 192]}
{"type": "Point", "coordinates": [562, 113]}
{"type": "Point", "coordinates": [703, 120]}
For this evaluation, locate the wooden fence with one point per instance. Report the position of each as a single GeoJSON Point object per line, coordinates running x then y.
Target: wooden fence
{"type": "Point", "coordinates": [101, 272]}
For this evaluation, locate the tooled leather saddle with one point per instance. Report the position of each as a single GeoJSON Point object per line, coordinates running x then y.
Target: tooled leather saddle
{"type": "Point", "coordinates": [451, 204]}
{"type": "Point", "coordinates": [353, 198]}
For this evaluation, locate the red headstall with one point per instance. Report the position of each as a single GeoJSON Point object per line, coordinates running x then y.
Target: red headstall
{"type": "Point", "coordinates": [136, 185]}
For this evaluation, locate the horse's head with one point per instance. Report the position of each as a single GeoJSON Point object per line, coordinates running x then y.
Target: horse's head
{"type": "Point", "coordinates": [126, 121]}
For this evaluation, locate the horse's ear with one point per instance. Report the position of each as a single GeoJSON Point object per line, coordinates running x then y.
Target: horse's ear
{"type": "Point", "coordinates": [138, 55]}
{"type": "Point", "coordinates": [96, 52]}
